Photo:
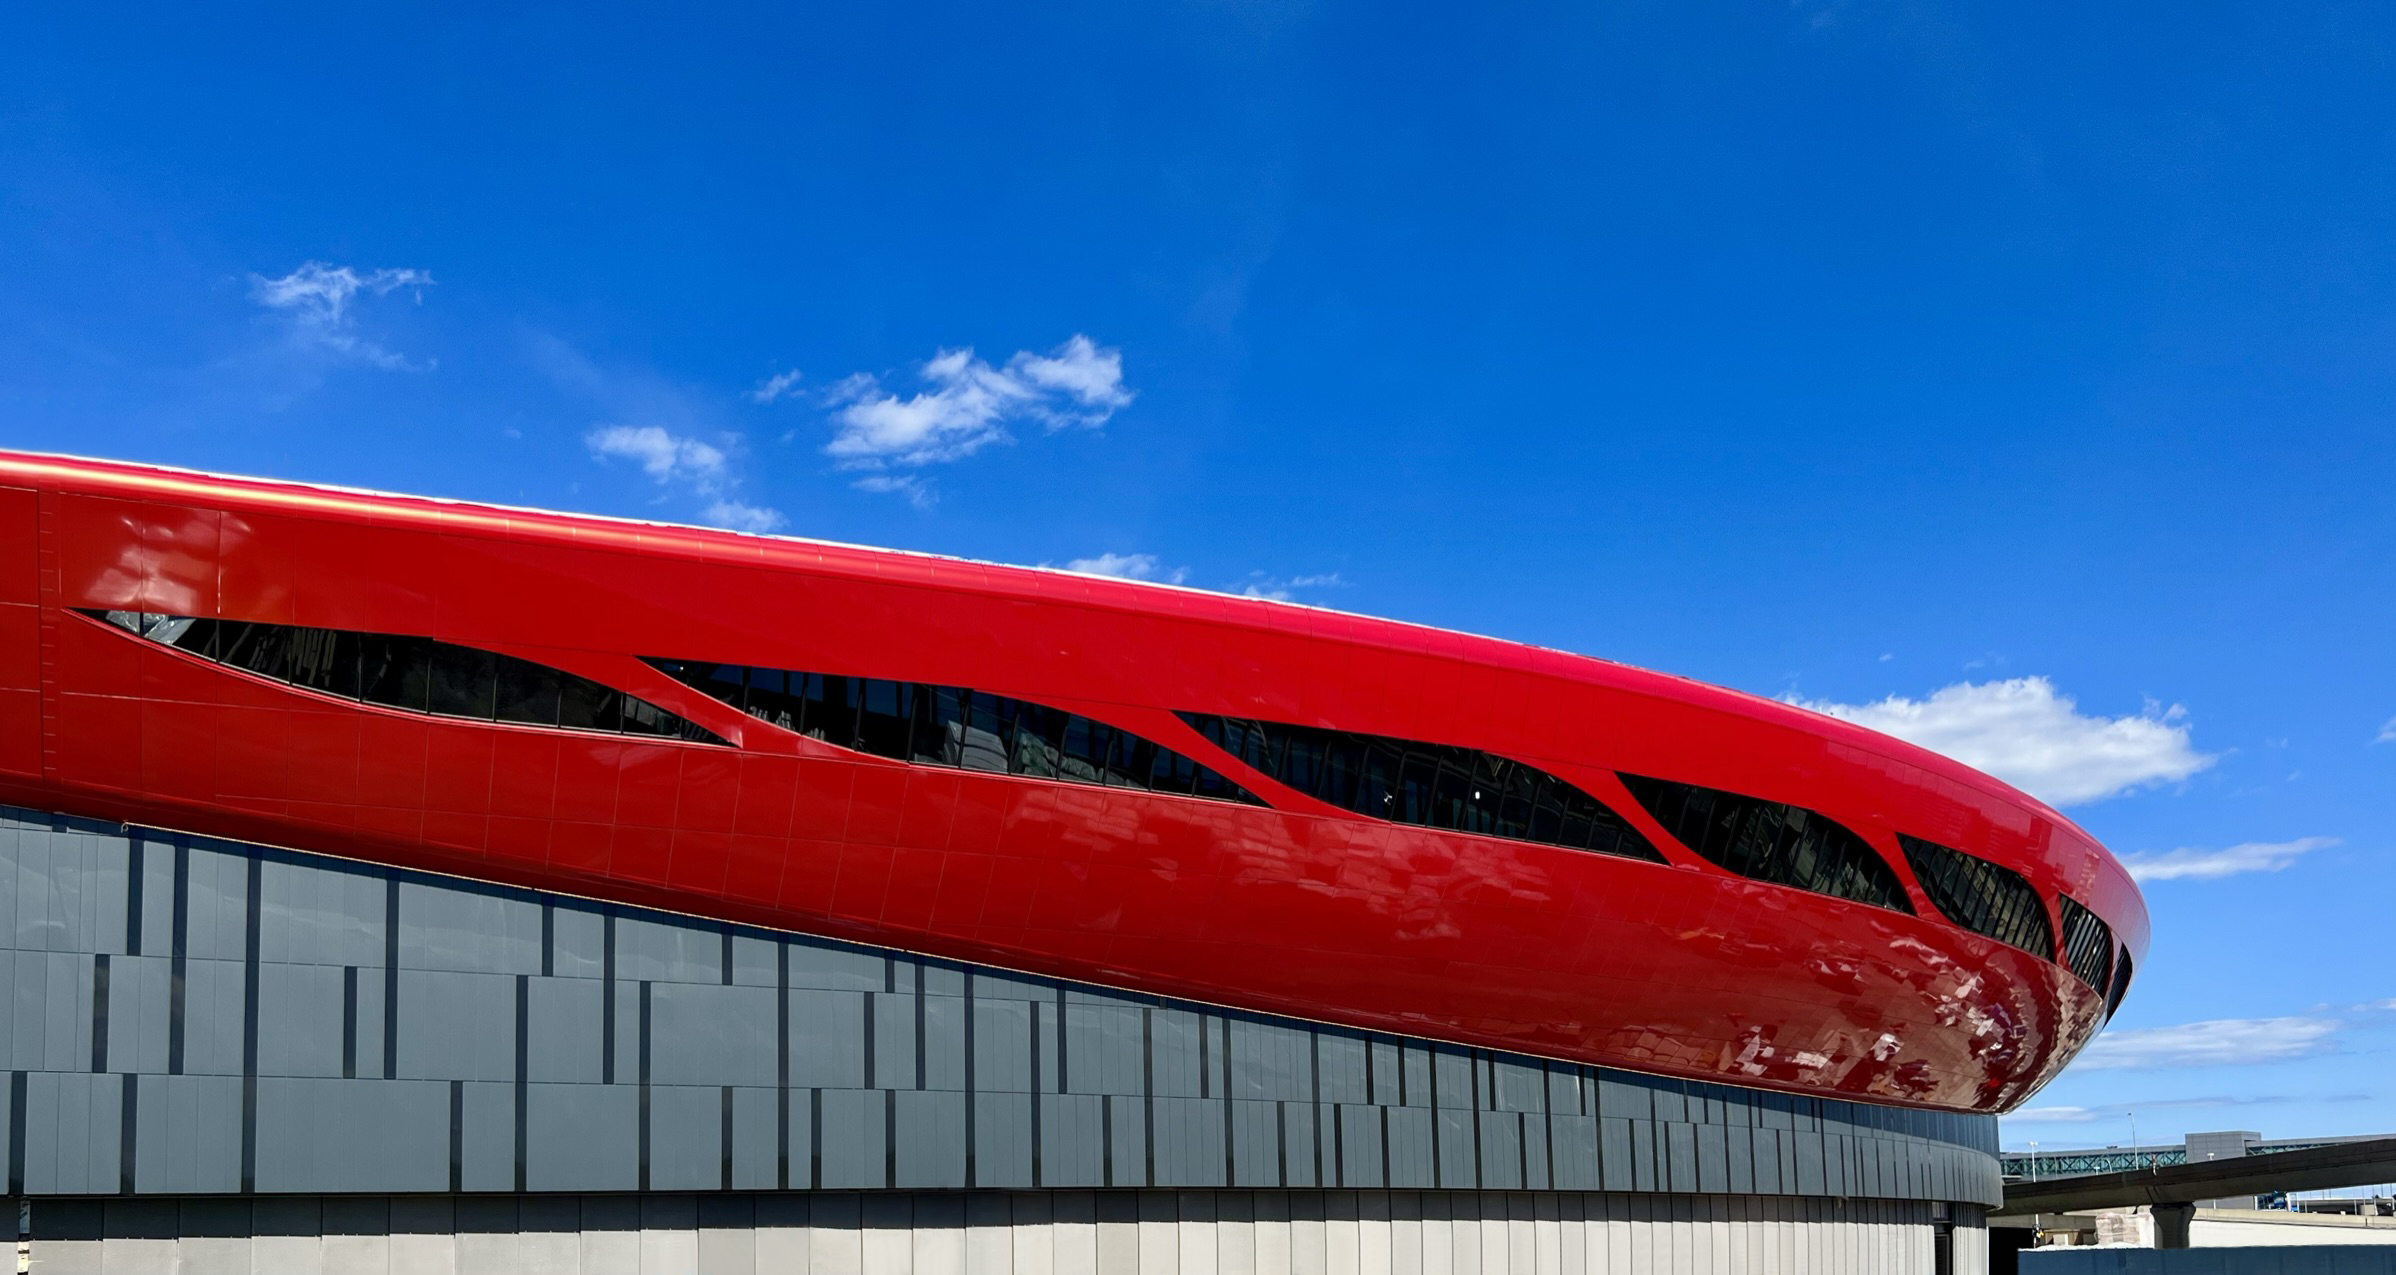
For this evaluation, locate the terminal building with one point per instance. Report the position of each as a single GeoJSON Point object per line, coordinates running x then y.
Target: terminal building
{"type": "Point", "coordinates": [393, 884]}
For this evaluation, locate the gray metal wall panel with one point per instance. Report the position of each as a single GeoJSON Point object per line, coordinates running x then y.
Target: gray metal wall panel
{"type": "Point", "coordinates": [1453, 1081]}
{"type": "Point", "coordinates": [1357, 1138]}
{"type": "Point", "coordinates": [158, 894]}
{"type": "Point", "coordinates": [487, 1136]}
{"type": "Point", "coordinates": [1255, 1143]}
{"type": "Point", "coordinates": [711, 1034]}
{"type": "Point", "coordinates": [1340, 1068]}
{"type": "Point", "coordinates": [1189, 1142]}
{"type": "Point", "coordinates": [370, 1135]}
{"type": "Point", "coordinates": [578, 944]}
{"type": "Point", "coordinates": [755, 961]}
{"type": "Point", "coordinates": [1302, 1156]}
{"type": "Point", "coordinates": [855, 1139]}
{"type": "Point", "coordinates": [1501, 1163]}
{"type": "Point", "coordinates": [1573, 1151]}
{"type": "Point", "coordinates": [1072, 1142]}
{"type": "Point", "coordinates": [1002, 1140]}
{"type": "Point", "coordinates": [685, 1138]}
{"type": "Point", "coordinates": [299, 1020]}
{"type": "Point", "coordinates": [1521, 1086]}
{"type": "Point", "coordinates": [1455, 1140]}
{"type": "Point", "coordinates": [930, 1126]}
{"type": "Point", "coordinates": [582, 1137]}
{"type": "Point", "coordinates": [662, 952]}
{"type": "Point", "coordinates": [1002, 1045]}
{"type": "Point", "coordinates": [563, 1019]}
{"type": "Point", "coordinates": [1103, 1048]}
{"type": "Point", "coordinates": [1127, 1118]}
{"type": "Point", "coordinates": [943, 1041]}
{"type": "Point", "coordinates": [197, 1135]}
{"type": "Point", "coordinates": [894, 1040]}
{"type": "Point", "coordinates": [139, 1007]}
{"type": "Point", "coordinates": [827, 1039]}
{"type": "Point", "coordinates": [315, 915]}
{"type": "Point", "coordinates": [456, 1026]}
{"type": "Point", "coordinates": [1166, 1066]}
{"type": "Point", "coordinates": [835, 968]}
{"type": "Point", "coordinates": [756, 1147]}
{"type": "Point", "coordinates": [1174, 1052]}
{"type": "Point", "coordinates": [213, 996]}
{"type": "Point", "coordinates": [216, 906]}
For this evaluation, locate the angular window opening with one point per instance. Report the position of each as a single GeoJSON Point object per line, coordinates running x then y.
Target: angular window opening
{"type": "Point", "coordinates": [1769, 841]}
{"type": "Point", "coordinates": [1429, 785]}
{"type": "Point", "coordinates": [418, 674]}
{"type": "Point", "coordinates": [931, 725]}
{"type": "Point", "coordinates": [2121, 983]}
{"type": "Point", "coordinates": [2087, 944]}
{"type": "Point", "coordinates": [1986, 898]}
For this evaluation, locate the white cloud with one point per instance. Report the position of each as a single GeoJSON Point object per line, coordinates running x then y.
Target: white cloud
{"type": "Point", "coordinates": [1128, 566]}
{"type": "Point", "coordinates": [2387, 732]}
{"type": "Point", "coordinates": [316, 300]}
{"type": "Point", "coordinates": [662, 456]}
{"type": "Point", "coordinates": [739, 517]}
{"type": "Point", "coordinates": [2214, 1043]}
{"type": "Point", "coordinates": [689, 465]}
{"type": "Point", "coordinates": [779, 385]}
{"type": "Point", "coordinates": [2054, 1115]}
{"type": "Point", "coordinates": [2025, 732]}
{"type": "Point", "coordinates": [918, 492]}
{"type": "Point", "coordinates": [1283, 588]}
{"type": "Point", "coordinates": [2206, 865]}
{"type": "Point", "coordinates": [967, 404]}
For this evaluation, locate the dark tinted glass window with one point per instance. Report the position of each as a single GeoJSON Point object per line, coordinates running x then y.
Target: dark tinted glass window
{"type": "Point", "coordinates": [2121, 984]}
{"type": "Point", "coordinates": [1770, 841]}
{"type": "Point", "coordinates": [1432, 785]}
{"type": "Point", "coordinates": [933, 725]}
{"type": "Point", "coordinates": [413, 673]}
{"type": "Point", "coordinates": [2087, 944]}
{"type": "Point", "coordinates": [1986, 898]}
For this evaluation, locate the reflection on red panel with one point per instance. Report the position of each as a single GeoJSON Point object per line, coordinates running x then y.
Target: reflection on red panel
{"type": "Point", "coordinates": [1304, 909]}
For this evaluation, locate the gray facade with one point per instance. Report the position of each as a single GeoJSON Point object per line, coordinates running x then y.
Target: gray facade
{"type": "Point", "coordinates": [182, 1016]}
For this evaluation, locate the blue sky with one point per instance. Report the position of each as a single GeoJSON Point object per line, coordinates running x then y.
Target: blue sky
{"type": "Point", "coordinates": [2017, 377]}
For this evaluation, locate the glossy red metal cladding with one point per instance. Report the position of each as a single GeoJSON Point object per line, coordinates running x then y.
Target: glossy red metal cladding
{"type": "Point", "coordinates": [1298, 908]}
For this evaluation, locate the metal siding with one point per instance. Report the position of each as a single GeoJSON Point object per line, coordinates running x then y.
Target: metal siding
{"type": "Point", "coordinates": [582, 1137]}
{"type": "Point", "coordinates": [685, 1138]}
{"type": "Point", "coordinates": [827, 1038]}
{"type": "Point", "coordinates": [854, 1139]}
{"type": "Point", "coordinates": [563, 1020]}
{"type": "Point", "coordinates": [299, 1019]}
{"type": "Point", "coordinates": [931, 1139]}
{"type": "Point", "coordinates": [703, 1034]}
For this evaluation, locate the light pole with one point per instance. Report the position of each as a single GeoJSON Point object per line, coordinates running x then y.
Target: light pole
{"type": "Point", "coordinates": [2034, 1162]}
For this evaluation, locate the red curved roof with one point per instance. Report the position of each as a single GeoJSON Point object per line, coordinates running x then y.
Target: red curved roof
{"type": "Point", "coordinates": [1293, 907]}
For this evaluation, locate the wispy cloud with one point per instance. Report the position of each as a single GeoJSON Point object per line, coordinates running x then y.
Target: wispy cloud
{"type": "Point", "coordinates": [2065, 1114]}
{"type": "Point", "coordinates": [2027, 733]}
{"type": "Point", "coordinates": [1128, 566]}
{"type": "Point", "coordinates": [1282, 588]}
{"type": "Point", "coordinates": [316, 301]}
{"type": "Point", "coordinates": [2387, 732]}
{"type": "Point", "coordinates": [2187, 864]}
{"type": "Point", "coordinates": [2214, 1043]}
{"type": "Point", "coordinates": [687, 465]}
{"type": "Point", "coordinates": [918, 492]}
{"type": "Point", "coordinates": [672, 435]}
{"type": "Point", "coordinates": [967, 403]}
{"type": "Point", "coordinates": [778, 386]}
{"type": "Point", "coordinates": [661, 455]}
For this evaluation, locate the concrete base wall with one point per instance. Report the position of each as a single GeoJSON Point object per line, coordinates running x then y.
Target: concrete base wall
{"type": "Point", "coordinates": [1000, 1233]}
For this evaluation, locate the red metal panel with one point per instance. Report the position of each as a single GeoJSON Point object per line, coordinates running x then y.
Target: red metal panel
{"type": "Point", "coordinates": [1304, 909]}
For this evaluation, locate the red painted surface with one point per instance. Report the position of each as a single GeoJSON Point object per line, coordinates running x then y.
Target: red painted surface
{"type": "Point", "coordinates": [1302, 909]}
